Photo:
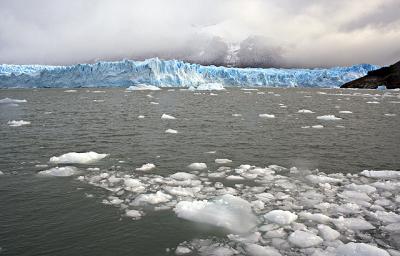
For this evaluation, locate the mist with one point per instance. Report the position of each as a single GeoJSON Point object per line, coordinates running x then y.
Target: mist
{"type": "Point", "coordinates": [255, 33]}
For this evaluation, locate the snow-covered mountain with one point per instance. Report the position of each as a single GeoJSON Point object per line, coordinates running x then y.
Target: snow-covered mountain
{"type": "Point", "coordinates": [172, 73]}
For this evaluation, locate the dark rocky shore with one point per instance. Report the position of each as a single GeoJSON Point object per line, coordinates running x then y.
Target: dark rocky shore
{"type": "Point", "coordinates": [387, 76]}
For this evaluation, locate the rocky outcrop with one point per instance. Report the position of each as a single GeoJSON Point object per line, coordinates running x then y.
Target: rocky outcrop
{"type": "Point", "coordinates": [386, 76]}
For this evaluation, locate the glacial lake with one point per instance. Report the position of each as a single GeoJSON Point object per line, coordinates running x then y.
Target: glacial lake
{"type": "Point", "coordinates": [329, 133]}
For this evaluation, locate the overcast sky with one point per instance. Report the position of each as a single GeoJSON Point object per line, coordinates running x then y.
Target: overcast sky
{"type": "Point", "coordinates": [290, 32]}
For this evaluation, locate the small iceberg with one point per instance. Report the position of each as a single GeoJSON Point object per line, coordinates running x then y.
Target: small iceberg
{"type": "Point", "coordinates": [165, 116]}
{"type": "Point", "coordinates": [328, 118]}
{"type": "Point", "coordinates": [171, 131]}
{"type": "Point", "coordinates": [65, 171]}
{"type": "Point", "coordinates": [77, 158]}
{"type": "Point", "coordinates": [15, 123]}
{"type": "Point", "coordinates": [146, 167]}
{"type": "Point", "coordinates": [266, 116]}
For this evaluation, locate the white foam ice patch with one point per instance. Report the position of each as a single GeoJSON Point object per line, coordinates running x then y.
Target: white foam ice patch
{"type": "Point", "coordinates": [146, 167]}
{"type": "Point", "coordinates": [11, 101]}
{"type": "Point", "coordinates": [77, 158]}
{"type": "Point", "coordinates": [266, 115]}
{"type": "Point", "coordinates": [328, 118]}
{"type": "Point", "coordinates": [345, 112]}
{"type": "Point", "coordinates": [143, 87]}
{"type": "Point", "coordinates": [384, 174]}
{"type": "Point", "coordinates": [305, 111]}
{"type": "Point", "coordinates": [358, 249]}
{"type": "Point", "coordinates": [165, 116]}
{"type": "Point", "coordinates": [197, 166]}
{"type": "Point", "coordinates": [208, 87]}
{"type": "Point", "coordinates": [304, 239]}
{"type": "Point", "coordinates": [64, 171]}
{"type": "Point", "coordinates": [171, 131]}
{"type": "Point", "coordinates": [280, 217]}
{"type": "Point", "coordinates": [223, 161]}
{"type": "Point", "coordinates": [227, 211]}
{"type": "Point", "coordinates": [18, 123]}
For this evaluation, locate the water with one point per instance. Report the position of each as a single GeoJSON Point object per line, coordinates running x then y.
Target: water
{"type": "Point", "coordinates": [53, 216]}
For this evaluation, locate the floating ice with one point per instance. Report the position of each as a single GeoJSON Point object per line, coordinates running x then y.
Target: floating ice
{"type": "Point", "coordinates": [266, 115]}
{"type": "Point", "coordinates": [197, 166]}
{"type": "Point", "coordinates": [328, 118]}
{"type": "Point", "coordinates": [15, 123]}
{"type": "Point", "coordinates": [183, 176]}
{"type": "Point", "coordinates": [305, 111]}
{"type": "Point", "coordinates": [385, 174]}
{"type": "Point", "coordinates": [154, 103]}
{"type": "Point", "coordinates": [322, 179]}
{"type": "Point", "coordinates": [143, 87]}
{"type": "Point", "coordinates": [140, 116]}
{"type": "Point", "coordinates": [345, 112]}
{"type": "Point", "coordinates": [236, 115]}
{"type": "Point", "coordinates": [390, 114]}
{"type": "Point", "coordinates": [1, 173]}
{"type": "Point", "coordinates": [358, 249]}
{"type": "Point", "coordinates": [318, 126]}
{"type": "Point", "coordinates": [77, 158]}
{"type": "Point", "coordinates": [60, 171]}
{"type": "Point", "coordinates": [134, 214]}
{"type": "Point", "coordinates": [258, 250]}
{"type": "Point", "coordinates": [146, 167]}
{"type": "Point", "coordinates": [328, 233]}
{"type": "Point", "coordinates": [209, 87]}
{"type": "Point", "coordinates": [227, 211]}
{"type": "Point", "coordinates": [156, 198]}
{"type": "Point", "coordinates": [372, 102]}
{"type": "Point", "coordinates": [172, 131]}
{"type": "Point", "coordinates": [353, 223]}
{"type": "Point", "coordinates": [317, 217]}
{"type": "Point", "coordinates": [165, 116]}
{"type": "Point", "coordinates": [280, 217]}
{"type": "Point", "coordinates": [70, 91]}
{"type": "Point", "coordinates": [181, 250]}
{"type": "Point", "coordinates": [223, 161]}
{"type": "Point", "coordinates": [11, 101]}
{"type": "Point", "coordinates": [304, 239]}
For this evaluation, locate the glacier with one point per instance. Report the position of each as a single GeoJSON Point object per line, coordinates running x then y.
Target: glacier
{"type": "Point", "coordinates": [172, 73]}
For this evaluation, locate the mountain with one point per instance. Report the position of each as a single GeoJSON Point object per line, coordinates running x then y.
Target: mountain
{"type": "Point", "coordinates": [172, 73]}
{"type": "Point", "coordinates": [386, 76]}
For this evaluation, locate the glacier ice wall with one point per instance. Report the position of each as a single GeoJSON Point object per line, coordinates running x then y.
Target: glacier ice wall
{"type": "Point", "coordinates": [172, 73]}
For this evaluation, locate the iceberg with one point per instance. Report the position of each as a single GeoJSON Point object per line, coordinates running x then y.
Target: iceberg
{"type": "Point", "coordinates": [172, 73]}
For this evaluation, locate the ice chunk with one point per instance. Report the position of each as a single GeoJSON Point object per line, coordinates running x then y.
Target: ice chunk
{"type": "Point", "coordinates": [171, 131]}
{"type": "Point", "coordinates": [64, 171]}
{"type": "Point", "coordinates": [317, 217]}
{"type": "Point", "coordinates": [305, 111]}
{"type": "Point", "coordinates": [11, 101]}
{"type": "Point", "coordinates": [385, 174]}
{"type": "Point", "coordinates": [258, 250]}
{"type": "Point", "coordinates": [358, 249]}
{"type": "Point", "coordinates": [77, 158]}
{"type": "Point", "coordinates": [236, 115]}
{"type": "Point", "coordinates": [223, 161]}
{"type": "Point", "coordinates": [328, 233]}
{"type": "Point", "coordinates": [1, 173]}
{"type": "Point", "coordinates": [15, 123]}
{"type": "Point", "coordinates": [143, 87]}
{"type": "Point", "coordinates": [304, 239]}
{"type": "Point", "coordinates": [183, 176]}
{"type": "Point", "coordinates": [280, 217]}
{"type": "Point", "coordinates": [353, 223]}
{"type": "Point", "coordinates": [227, 211]}
{"type": "Point", "coordinates": [345, 112]}
{"type": "Point", "coordinates": [134, 214]}
{"type": "Point", "coordinates": [386, 217]}
{"type": "Point", "coordinates": [165, 116]}
{"type": "Point", "coordinates": [155, 198]}
{"type": "Point", "coordinates": [182, 250]}
{"type": "Point", "coordinates": [146, 167]}
{"type": "Point", "coordinates": [266, 115]}
{"type": "Point", "coordinates": [328, 117]}
{"type": "Point", "coordinates": [322, 179]}
{"type": "Point", "coordinates": [318, 126]}
{"type": "Point", "coordinates": [140, 116]}
{"type": "Point", "coordinates": [361, 188]}
{"type": "Point", "coordinates": [132, 183]}
{"type": "Point", "coordinates": [234, 177]}
{"type": "Point", "coordinates": [197, 166]}
{"type": "Point", "coordinates": [209, 87]}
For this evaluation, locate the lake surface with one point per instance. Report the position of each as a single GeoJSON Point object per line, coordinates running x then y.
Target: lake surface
{"type": "Point", "coordinates": [43, 215]}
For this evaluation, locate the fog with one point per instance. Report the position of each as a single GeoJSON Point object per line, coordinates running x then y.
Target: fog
{"type": "Point", "coordinates": [245, 33]}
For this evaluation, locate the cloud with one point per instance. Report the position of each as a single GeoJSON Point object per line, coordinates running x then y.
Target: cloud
{"type": "Point", "coordinates": [279, 32]}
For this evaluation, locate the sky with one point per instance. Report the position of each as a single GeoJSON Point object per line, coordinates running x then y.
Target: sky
{"type": "Point", "coordinates": [258, 33]}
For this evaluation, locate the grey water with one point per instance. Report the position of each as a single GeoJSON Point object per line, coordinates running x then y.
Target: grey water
{"type": "Point", "coordinates": [53, 215]}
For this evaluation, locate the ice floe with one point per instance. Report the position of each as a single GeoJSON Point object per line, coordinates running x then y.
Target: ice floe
{"type": "Point", "coordinates": [197, 166]}
{"type": "Point", "coordinates": [223, 161]}
{"type": "Point", "coordinates": [64, 171]}
{"type": "Point", "coordinates": [345, 112]}
{"type": "Point", "coordinates": [172, 131]}
{"type": "Point", "coordinates": [266, 115]}
{"type": "Point", "coordinates": [11, 101]}
{"type": "Point", "coordinates": [18, 123]}
{"type": "Point", "coordinates": [360, 249]}
{"type": "Point", "coordinates": [328, 117]}
{"type": "Point", "coordinates": [143, 87]}
{"type": "Point", "coordinates": [77, 158]}
{"type": "Point", "coordinates": [165, 116]}
{"type": "Point", "coordinates": [146, 167]}
{"type": "Point", "coordinates": [305, 111]}
{"type": "Point", "coordinates": [280, 217]}
{"type": "Point", "coordinates": [304, 239]}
